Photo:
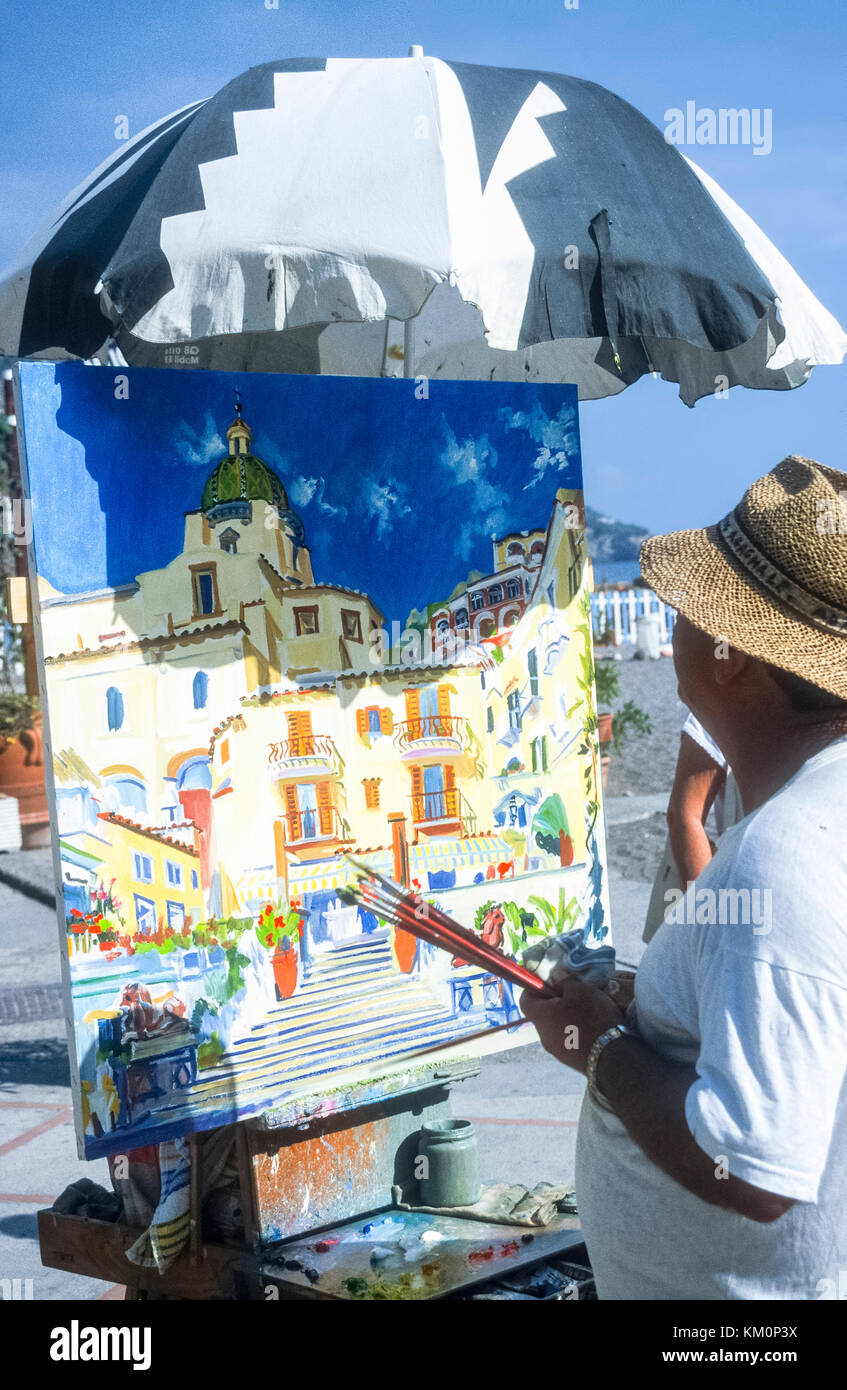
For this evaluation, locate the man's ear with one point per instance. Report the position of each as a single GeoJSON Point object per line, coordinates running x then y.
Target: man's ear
{"type": "Point", "coordinates": [729, 661]}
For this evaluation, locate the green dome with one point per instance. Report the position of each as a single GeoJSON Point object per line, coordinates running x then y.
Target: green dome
{"type": "Point", "coordinates": [243, 477]}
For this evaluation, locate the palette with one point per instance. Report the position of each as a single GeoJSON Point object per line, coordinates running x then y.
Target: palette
{"type": "Point", "coordinates": [410, 1256]}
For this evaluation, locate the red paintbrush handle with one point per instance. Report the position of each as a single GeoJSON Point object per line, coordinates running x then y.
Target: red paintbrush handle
{"type": "Point", "coordinates": [459, 942]}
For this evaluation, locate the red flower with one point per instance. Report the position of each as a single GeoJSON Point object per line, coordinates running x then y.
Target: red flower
{"type": "Point", "coordinates": [279, 922]}
{"type": "Point", "coordinates": [269, 939]}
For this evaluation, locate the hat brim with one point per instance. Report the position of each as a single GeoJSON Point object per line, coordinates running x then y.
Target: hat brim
{"type": "Point", "coordinates": [694, 573]}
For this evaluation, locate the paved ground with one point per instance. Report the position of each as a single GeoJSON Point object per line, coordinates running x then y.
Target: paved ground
{"type": "Point", "coordinates": [525, 1105]}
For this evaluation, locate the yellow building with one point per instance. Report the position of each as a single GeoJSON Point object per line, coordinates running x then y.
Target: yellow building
{"type": "Point", "coordinates": [157, 877]}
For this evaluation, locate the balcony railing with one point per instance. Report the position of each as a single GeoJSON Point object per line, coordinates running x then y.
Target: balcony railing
{"type": "Point", "coordinates": [316, 823]}
{"type": "Point", "coordinates": [445, 805]}
{"type": "Point", "coordinates": [429, 729]}
{"type": "Point", "coordinates": [303, 746]}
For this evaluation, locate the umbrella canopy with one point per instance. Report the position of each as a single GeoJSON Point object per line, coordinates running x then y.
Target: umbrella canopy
{"type": "Point", "coordinates": [422, 217]}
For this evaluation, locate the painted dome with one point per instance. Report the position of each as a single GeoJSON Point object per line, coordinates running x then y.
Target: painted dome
{"type": "Point", "coordinates": [241, 476]}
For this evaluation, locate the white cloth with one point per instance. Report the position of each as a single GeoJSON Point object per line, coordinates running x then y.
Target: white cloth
{"type": "Point", "coordinates": [761, 1011]}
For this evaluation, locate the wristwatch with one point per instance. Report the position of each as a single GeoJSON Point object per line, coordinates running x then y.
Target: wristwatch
{"type": "Point", "coordinates": [620, 1030]}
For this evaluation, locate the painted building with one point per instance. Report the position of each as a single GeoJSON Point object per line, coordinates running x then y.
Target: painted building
{"type": "Point", "coordinates": [226, 710]}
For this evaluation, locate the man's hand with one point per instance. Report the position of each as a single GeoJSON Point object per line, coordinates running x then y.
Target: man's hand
{"type": "Point", "coordinates": [570, 1021]}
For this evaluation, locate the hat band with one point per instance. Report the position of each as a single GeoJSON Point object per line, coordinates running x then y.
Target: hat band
{"type": "Point", "coordinates": [765, 572]}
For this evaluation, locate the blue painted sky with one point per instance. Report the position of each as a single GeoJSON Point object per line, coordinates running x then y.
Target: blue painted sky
{"type": "Point", "coordinates": [67, 71]}
{"type": "Point", "coordinates": [399, 496]}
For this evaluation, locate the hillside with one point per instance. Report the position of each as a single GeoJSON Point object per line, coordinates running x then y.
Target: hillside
{"type": "Point", "coordinates": [612, 540]}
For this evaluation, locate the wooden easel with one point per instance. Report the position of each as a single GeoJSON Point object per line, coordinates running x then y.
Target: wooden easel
{"type": "Point", "coordinates": [303, 1174]}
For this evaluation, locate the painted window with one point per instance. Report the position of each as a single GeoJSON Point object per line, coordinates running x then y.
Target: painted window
{"type": "Point", "coordinates": [513, 702]}
{"type": "Point", "coordinates": [176, 916]}
{"type": "Point", "coordinates": [195, 881]}
{"type": "Point", "coordinates": [229, 541]}
{"type": "Point", "coordinates": [194, 775]}
{"type": "Point", "coordinates": [306, 620]}
{"type": "Point", "coordinates": [371, 785]}
{"type": "Point", "coordinates": [489, 715]}
{"type": "Point", "coordinates": [374, 720]}
{"type": "Point", "coordinates": [142, 868]}
{"type": "Point", "coordinates": [351, 625]}
{"type": "Point", "coordinates": [114, 708]}
{"type": "Point", "coordinates": [174, 873]}
{"type": "Point", "coordinates": [477, 600]}
{"type": "Point", "coordinates": [309, 810]}
{"type": "Point", "coordinates": [434, 793]}
{"type": "Point", "coordinates": [145, 915]}
{"type": "Point", "coordinates": [513, 588]}
{"type": "Point", "coordinates": [433, 785]}
{"type": "Point", "coordinates": [461, 617]}
{"type": "Point", "coordinates": [544, 753]}
{"type": "Point", "coordinates": [515, 548]}
{"type": "Point", "coordinates": [126, 795]}
{"type": "Point", "coordinates": [200, 689]}
{"type": "Point", "coordinates": [495, 593]}
{"type": "Point", "coordinates": [205, 586]}
{"type": "Point", "coordinates": [532, 670]}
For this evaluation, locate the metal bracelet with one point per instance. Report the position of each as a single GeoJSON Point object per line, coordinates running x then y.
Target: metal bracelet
{"type": "Point", "coordinates": [620, 1030]}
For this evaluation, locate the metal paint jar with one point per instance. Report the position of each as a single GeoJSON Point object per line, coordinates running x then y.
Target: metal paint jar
{"type": "Point", "coordinates": [452, 1164]}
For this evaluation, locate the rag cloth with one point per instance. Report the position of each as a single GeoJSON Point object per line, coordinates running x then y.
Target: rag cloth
{"type": "Point", "coordinates": [168, 1231]}
{"type": "Point", "coordinates": [559, 956]}
{"type": "Point", "coordinates": [511, 1204]}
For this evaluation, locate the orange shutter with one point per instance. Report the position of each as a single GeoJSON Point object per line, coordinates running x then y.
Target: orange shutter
{"type": "Point", "coordinates": [417, 794]}
{"type": "Point", "coordinates": [386, 721]}
{"type": "Point", "coordinates": [324, 795]}
{"type": "Point", "coordinates": [451, 797]}
{"type": "Point", "coordinates": [361, 722]}
{"type": "Point", "coordinates": [292, 811]}
{"type": "Point", "coordinates": [300, 731]}
{"type": "Point", "coordinates": [413, 706]}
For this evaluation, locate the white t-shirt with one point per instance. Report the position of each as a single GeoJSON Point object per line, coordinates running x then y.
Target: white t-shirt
{"type": "Point", "coordinates": [761, 1010]}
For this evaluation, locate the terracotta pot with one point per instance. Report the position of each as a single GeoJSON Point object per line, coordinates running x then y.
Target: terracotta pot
{"type": "Point", "coordinates": [605, 759]}
{"type": "Point", "coordinates": [604, 727]}
{"type": "Point", "coordinates": [22, 776]}
{"type": "Point", "coordinates": [405, 949]}
{"type": "Point", "coordinates": [285, 969]}
{"type": "Point", "coordinates": [565, 849]}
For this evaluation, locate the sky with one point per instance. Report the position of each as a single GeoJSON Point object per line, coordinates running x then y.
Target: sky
{"type": "Point", "coordinates": [70, 68]}
{"type": "Point", "coordinates": [400, 496]}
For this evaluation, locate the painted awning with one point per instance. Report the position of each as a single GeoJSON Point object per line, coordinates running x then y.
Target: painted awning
{"type": "Point", "coordinates": [476, 852]}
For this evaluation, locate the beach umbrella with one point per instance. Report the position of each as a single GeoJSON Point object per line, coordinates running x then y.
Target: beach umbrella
{"type": "Point", "coordinates": [420, 217]}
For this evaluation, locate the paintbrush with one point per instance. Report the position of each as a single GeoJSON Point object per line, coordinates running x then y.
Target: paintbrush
{"type": "Point", "coordinates": [413, 914]}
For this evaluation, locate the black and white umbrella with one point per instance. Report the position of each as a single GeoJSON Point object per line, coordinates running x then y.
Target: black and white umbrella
{"type": "Point", "coordinates": [416, 216]}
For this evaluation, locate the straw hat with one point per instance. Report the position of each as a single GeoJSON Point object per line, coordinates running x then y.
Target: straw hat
{"type": "Point", "coordinates": [772, 576]}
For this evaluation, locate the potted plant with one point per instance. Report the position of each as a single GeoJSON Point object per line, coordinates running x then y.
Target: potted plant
{"type": "Point", "coordinates": [279, 930]}
{"type": "Point", "coordinates": [22, 763]}
{"type": "Point", "coordinates": [616, 726]}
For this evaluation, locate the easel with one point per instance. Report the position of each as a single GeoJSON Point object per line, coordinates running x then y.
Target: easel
{"type": "Point", "coordinates": [306, 1176]}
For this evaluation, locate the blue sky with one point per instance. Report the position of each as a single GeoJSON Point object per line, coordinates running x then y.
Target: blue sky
{"type": "Point", "coordinates": [69, 69]}
{"type": "Point", "coordinates": [399, 496]}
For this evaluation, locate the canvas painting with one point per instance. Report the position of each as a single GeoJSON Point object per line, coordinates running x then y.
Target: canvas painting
{"type": "Point", "coordinates": [286, 620]}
